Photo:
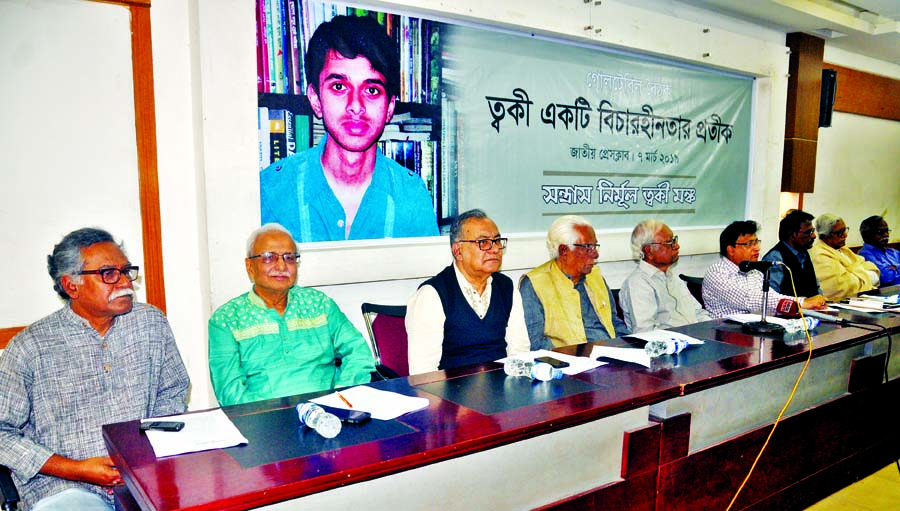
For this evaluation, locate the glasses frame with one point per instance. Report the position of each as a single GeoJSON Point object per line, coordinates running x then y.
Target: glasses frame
{"type": "Point", "coordinates": [672, 242]}
{"type": "Point", "coordinates": [104, 273]}
{"type": "Point", "coordinates": [809, 232]}
{"type": "Point", "coordinates": [275, 256]}
{"type": "Point", "coordinates": [845, 230]}
{"type": "Point", "coordinates": [589, 247]}
{"type": "Point", "coordinates": [753, 243]}
{"type": "Point", "coordinates": [486, 244]}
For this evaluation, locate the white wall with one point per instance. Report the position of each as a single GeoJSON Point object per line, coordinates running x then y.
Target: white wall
{"type": "Point", "coordinates": [858, 160]}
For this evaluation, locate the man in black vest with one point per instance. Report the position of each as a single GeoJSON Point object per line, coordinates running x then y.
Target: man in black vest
{"type": "Point", "coordinates": [469, 312]}
{"type": "Point", "coordinates": [796, 234]}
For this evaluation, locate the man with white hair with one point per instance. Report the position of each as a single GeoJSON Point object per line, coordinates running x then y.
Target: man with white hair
{"type": "Point", "coordinates": [841, 273]}
{"type": "Point", "coordinates": [653, 297]}
{"type": "Point", "coordinates": [566, 299]}
{"type": "Point", "coordinates": [279, 339]}
{"type": "Point", "coordinates": [101, 358]}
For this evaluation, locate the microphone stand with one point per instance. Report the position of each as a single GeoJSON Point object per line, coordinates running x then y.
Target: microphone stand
{"type": "Point", "coordinates": [762, 326]}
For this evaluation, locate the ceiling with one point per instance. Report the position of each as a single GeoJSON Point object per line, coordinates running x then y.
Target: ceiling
{"type": "Point", "coordinates": [866, 27]}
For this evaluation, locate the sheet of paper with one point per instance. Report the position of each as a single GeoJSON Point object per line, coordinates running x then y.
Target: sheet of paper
{"type": "Point", "coordinates": [634, 355]}
{"type": "Point", "coordinates": [381, 404]}
{"type": "Point", "coordinates": [576, 364]}
{"type": "Point", "coordinates": [665, 335]}
{"type": "Point", "coordinates": [202, 431]}
{"type": "Point", "coordinates": [749, 318]}
{"type": "Point", "coordinates": [857, 308]}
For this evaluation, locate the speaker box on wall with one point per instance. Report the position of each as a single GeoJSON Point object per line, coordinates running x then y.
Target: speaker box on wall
{"type": "Point", "coordinates": [826, 103]}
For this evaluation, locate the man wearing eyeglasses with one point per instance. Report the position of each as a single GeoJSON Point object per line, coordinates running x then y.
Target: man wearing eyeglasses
{"type": "Point", "coordinates": [566, 299]}
{"type": "Point", "coordinates": [876, 235]}
{"type": "Point", "coordinates": [100, 359]}
{"type": "Point", "coordinates": [796, 235]}
{"type": "Point", "coordinates": [469, 312]}
{"type": "Point", "coordinates": [727, 290]}
{"type": "Point", "coordinates": [841, 273]}
{"type": "Point", "coordinates": [653, 296]}
{"type": "Point", "coordinates": [279, 339]}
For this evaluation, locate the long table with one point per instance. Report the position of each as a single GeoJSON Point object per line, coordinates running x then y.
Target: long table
{"type": "Point", "coordinates": [678, 435]}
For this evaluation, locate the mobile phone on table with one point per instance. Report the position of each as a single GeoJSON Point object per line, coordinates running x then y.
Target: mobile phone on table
{"type": "Point", "coordinates": [162, 426]}
{"type": "Point", "coordinates": [348, 416]}
{"type": "Point", "coordinates": [558, 364]}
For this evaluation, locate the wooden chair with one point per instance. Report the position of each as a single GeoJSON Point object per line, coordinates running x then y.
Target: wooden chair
{"type": "Point", "coordinates": [387, 334]}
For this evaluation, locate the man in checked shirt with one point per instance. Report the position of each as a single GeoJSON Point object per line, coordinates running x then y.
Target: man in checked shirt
{"type": "Point", "coordinates": [728, 290]}
{"type": "Point", "coordinates": [100, 359]}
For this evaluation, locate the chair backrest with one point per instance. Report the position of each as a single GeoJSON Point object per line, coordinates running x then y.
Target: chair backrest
{"type": "Point", "coordinates": [695, 286]}
{"type": "Point", "coordinates": [387, 332]}
{"type": "Point", "coordinates": [619, 311]}
{"type": "Point", "coordinates": [9, 497]}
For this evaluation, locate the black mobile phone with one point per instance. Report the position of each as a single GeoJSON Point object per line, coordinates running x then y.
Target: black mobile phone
{"type": "Point", "coordinates": [559, 364]}
{"type": "Point", "coordinates": [162, 426]}
{"type": "Point", "coordinates": [348, 416]}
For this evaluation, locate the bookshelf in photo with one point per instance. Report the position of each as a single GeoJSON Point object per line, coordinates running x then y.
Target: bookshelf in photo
{"type": "Point", "coordinates": [421, 136]}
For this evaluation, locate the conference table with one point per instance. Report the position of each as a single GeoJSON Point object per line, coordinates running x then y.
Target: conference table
{"type": "Point", "coordinates": [681, 434]}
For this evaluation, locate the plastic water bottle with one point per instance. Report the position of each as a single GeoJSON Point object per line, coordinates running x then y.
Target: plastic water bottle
{"type": "Point", "coordinates": [796, 325]}
{"type": "Point", "coordinates": [536, 371]}
{"type": "Point", "coordinates": [314, 416]}
{"type": "Point", "coordinates": [658, 347]}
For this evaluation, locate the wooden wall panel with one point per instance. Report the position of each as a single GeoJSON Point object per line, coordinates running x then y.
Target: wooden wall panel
{"type": "Point", "coordinates": [801, 130]}
{"type": "Point", "coordinates": [859, 92]}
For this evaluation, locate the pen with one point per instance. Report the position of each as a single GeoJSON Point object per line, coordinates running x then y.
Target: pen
{"type": "Point", "coordinates": [343, 399]}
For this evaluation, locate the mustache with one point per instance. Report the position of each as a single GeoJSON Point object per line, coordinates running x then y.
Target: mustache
{"type": "Point", "coordinates": [120, 293]}
{"type": "Point", "coordinates": [280, 274]}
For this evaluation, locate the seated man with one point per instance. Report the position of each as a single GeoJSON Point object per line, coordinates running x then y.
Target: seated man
{"type": "Point", "coordinates": [653, 296]}
{"type": "Point", "coordinates": [841, 273]}
{"type": "Point", "coordinates": [100, 359]}
{"type": "Point", "coordinates": [279, 339]}
{"type": "Point", "coordinates": [728, 290]}
{"type": "Point", "coordinates": [469, 312]}
{"type": "Point", "coordinates": [566, 299]}
{"type": "Point", "coordinates": [876, 235]}
{"type": "Point", "coordinates": [796, 235]}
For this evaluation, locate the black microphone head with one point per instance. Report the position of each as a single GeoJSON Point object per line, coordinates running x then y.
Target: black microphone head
{"type": "Point", "coordinates": [748, 265]}
{"type": "Point", "coordinates": [745, 266]}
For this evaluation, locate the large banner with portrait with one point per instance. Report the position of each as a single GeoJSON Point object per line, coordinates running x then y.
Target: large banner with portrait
{"type": "Point", "coordinates": [525, 128]}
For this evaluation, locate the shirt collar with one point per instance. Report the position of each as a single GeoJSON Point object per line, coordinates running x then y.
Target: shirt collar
{"type": "Point", "coordinates": [464, 282]}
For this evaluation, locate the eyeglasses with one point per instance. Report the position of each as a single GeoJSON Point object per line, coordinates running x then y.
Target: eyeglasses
{"type": "Point", "coordinates": [840, 232]}
{"type": "Point", "coordinates": [883, 232]}
{"type": "Point", "coordinates": [271, 257]}
{"type": "Point", "coordinates": [808, 232]}
{"type": "Point", "coordinates": [670, 242]}
{"type": "Point", "coordinates": [487, 243]}
{"type": "Point", "coordinates": [588, 247]}
{"type": "Point", "coordinates": [113, 275]}
{"type": "Point", "coordinates": [751, 243]}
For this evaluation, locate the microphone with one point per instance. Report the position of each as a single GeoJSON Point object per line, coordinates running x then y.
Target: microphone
{"type": "Point", "coordinates": [748, 265]}
{"type": "Point", "coordinates": [827, 318]}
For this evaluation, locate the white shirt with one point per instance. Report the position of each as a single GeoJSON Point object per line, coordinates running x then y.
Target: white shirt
{"type": "Point", "coordinates": [654, 299]}
{"type": "Point", "coordinates": [425, 323]}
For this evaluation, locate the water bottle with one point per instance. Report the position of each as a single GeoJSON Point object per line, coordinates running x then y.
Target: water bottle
{"type": "Point", "coordinates": [314, 416]}
{"type": "Point", "coordinates": [797, 325]}
{"type": "Point", "coordinates": [536, 371]}
{"type": "Point", "coordinates": [658, 347]}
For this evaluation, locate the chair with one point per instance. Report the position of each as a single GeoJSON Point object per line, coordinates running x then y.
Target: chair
{"type": "Point", "coordinates": [695, 286]}
{"type": "Point", "coordinates": [387, 333]}
{"type": "Point", "coordinates": [618, 305]}
{"type": "Point", "coordinates": [9, 497]}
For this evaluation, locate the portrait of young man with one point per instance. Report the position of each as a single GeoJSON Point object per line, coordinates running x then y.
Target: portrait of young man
{"type": "Point", "coordinates": [344, 188]}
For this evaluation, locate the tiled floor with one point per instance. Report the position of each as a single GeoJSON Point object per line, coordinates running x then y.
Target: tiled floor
{"type": "Point", "coordinates": [878, 492]}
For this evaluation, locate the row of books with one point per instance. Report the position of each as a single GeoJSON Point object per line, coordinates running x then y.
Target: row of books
{"type": "Point", "coordinates": [284, 28]}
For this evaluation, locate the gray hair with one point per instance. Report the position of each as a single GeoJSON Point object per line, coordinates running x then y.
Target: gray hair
{"type": "Point", "coordinates": [643, 234]}
{"type": "Point", "coordinates": [461, 219]}
{"type": "Point", "coordinates": [66, 259]}
{"type": "Point", "coordinates": [269, 227]}
{"type": "Point", "coordinates": [825, 222]}
{"type": "Point", "coordinates": [562, 232]}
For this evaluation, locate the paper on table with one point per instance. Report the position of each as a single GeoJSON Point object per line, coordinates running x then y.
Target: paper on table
{"type": "Point", "coordinates": [381, 404]}
{"type": "Point", "coordinates": [749, 318]}
{"type": "Point", "coordinates": [202, 431]}
{"type": "Point", "coordinates": [859, 306]}
{"type": "Point", "coordinates": [634, 355]}
{"type": "Point", "coordinates": [576, 364]}
{"type": "Point", "coordinates": [665, 335]}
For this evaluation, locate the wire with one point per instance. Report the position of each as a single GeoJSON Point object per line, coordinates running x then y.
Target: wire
{"type": "Point", "coordinates": [790, 396]}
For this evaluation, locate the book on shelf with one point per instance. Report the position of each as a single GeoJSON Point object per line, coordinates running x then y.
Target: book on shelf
{"type": "Point", "coordinates": [262, 126]}
{"type": "Point", "coordinates": [301, 132]}
{"type": "Point", "coordinates": [277, 134]}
